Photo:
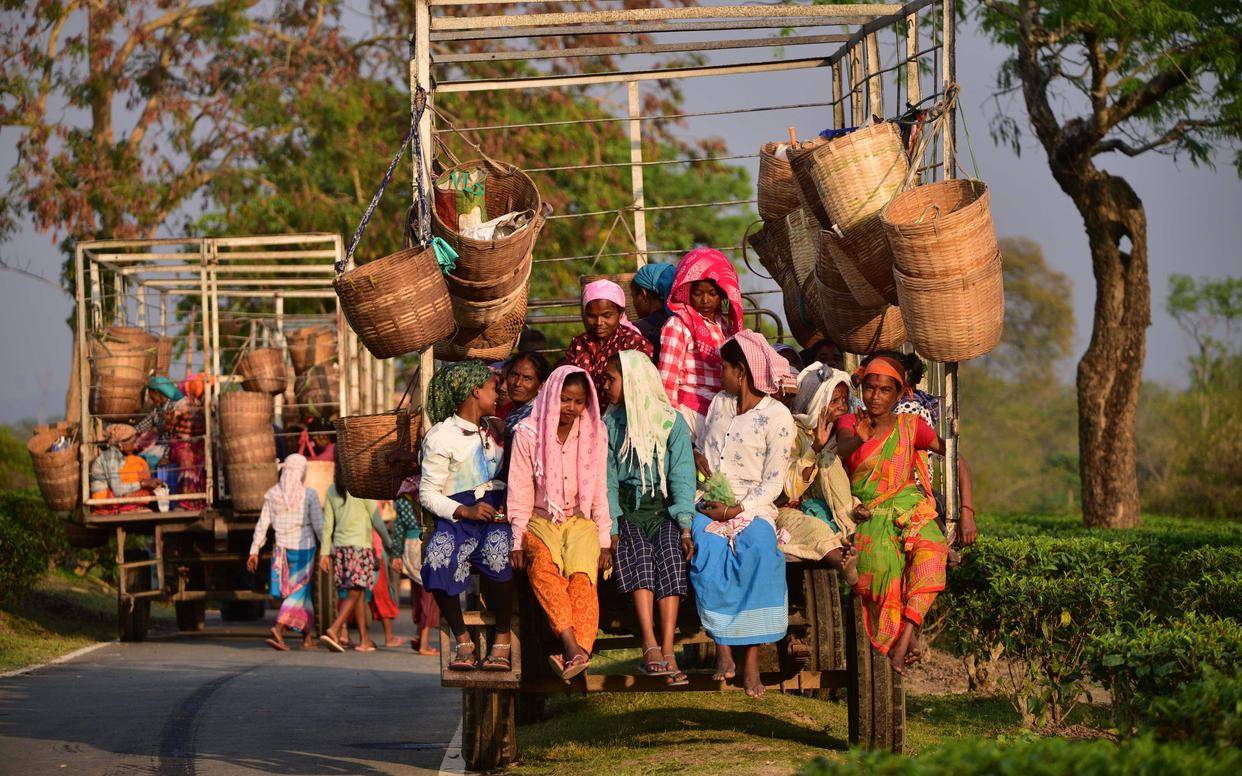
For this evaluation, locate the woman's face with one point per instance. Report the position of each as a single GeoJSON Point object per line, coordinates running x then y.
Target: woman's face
{"type": "Point", "coordinates": [839, 404]}
{"type": "Point", "coordinates": [601, 318]}
{"type": "Point", "coordinates": [732, 377]}
{"type": "Point", "coordinates": [645, 302]}
{"type": "Point", "coordinates": [487, 395]}
{"type": "Point", "coordinates": [613, 391]}
{"type": "Point", "coordinates": [705, 298]}
{"type": "Point", "coordinates": [523, 382]}
{"type": "Point", "coordinates": [879, 394]}
{"type": "Point", "coordinates": [157, 399]}
{"type": "Point", "coordinates": [573, 402]}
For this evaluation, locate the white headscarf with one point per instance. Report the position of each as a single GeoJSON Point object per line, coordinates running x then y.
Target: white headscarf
{"type": "Point", "coordinates": [815, 386]}
{"type": "Point", "coordinates": [288, 496]}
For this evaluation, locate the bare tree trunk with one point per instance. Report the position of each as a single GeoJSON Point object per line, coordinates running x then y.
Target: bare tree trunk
{"type": "Point", "coordinates": [1111, 370]}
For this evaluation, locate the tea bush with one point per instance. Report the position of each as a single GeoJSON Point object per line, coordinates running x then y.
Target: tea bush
{"type": "Point", "coordinates": [1206, 712]}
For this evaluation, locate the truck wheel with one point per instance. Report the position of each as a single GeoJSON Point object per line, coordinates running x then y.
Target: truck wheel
{"type": "Point", "coordinates": [489, 728]}
{"type": "Point", "coordinates": [191, 616]}
{"type": "Point", "coordinates": [877, 701]}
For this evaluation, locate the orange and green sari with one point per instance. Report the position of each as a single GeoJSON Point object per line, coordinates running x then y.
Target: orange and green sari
{"type": "Point", "coordinates": [901, 549]}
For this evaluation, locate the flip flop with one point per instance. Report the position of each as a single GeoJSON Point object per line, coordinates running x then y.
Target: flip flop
{"type": "Point", "coordinates": [364, 648]}
{"type": "Point", "coordinates": [678, 679]}
{"type": "Point", "coordinates": [279, 646]}
{"type": "Point", "coordinates": [654, 667]}
{"type": "Point", "coordinates": [574, 667]}
{"type": "Point", "coordinates": [331, 643]}
{"type": "Point", "coordinates": [396, 642]}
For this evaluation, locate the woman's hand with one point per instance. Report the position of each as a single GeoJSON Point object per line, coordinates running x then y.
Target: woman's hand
{"type": "Point", "coordinates": [605, 558]}
{"type": "Point", "coordinates": [860, 514]}
{"type": "Point", "coordinates": [716, 511]}
{"type": "Point", "coordinates": [864, 429]}
{"type": "Point", "coordinates": [517, 559]}
{"type": "Point", "coordinates": [325, 564]}
{"type": "Point", "coordinates": [823, 429]}
{"type": "Point", "coordinates": [966, 529]}
{"type": "Point", "coordinates": [482, 511]}
{"type": "Point", "coordinates": [687, 545]}
{"type": "Point", "coordinates": [252, 563]}
{"type": "Point", "coordinates": [151, 483]}
{"type": "Point", "coordinates": [396, 565]}
{"type": "Point", "coordinates": [700, 463]}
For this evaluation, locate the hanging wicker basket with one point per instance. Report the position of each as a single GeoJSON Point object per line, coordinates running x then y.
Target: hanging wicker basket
{"type": "Point", "coordinates": [249, 482]}
{"type": "Point", "coordinates": [493, 343]}
{"type": "Point", "coordinates": [803, 231]}
{"type": "Point", "coordinates": [245, 412]}
{"type": "Point", "coordinates": [262, 371]}
{"type": "Point", "coordinates": [163, 356]}
{"type": "Point", "coordinates": [955, 318]}
{"type": "Point", "coordinates": [801, 163]}
{"type": "Point", "coordinates": [482, 314]}
{"type": "Point", "coordinates": [857, 174]}
{"type": "Point", "coordinates": [398, 304]}
{"type": "Point", "coordinates": [58, 473]}
{"type": "Point", "coordinates": [311, 346]}
{"type": "Point", "coordinates": [318, 390]}
{"type": "Point", "coordinates": [249, 446]}
{"type": "Point", "coordinates": [363, 443]}
{"type": "Point", "coordinates": [862, 330]}
{"type": "Point", "coordinates": [625, 280]}
{"type": "Point", "coordinates": [826, 266]}
{"type": "Point", "coordinates": [134, 338]}
{"type": "Point", "coordinates": [506, 190]}
{"type": "Point", "coordinates": [771, 245]}
{"type": "Point", "coordinates": [864, 266]}
{"type": "Point", "coordinates": [942, 228]}
{"type": "Point", "coordinates": [777, 189]}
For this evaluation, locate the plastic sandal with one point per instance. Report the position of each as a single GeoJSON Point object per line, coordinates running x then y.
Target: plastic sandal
{"type": "Point", "coordinates": [678, 679]}
{"type": "Point", "coordinates": [654, 667]}
{"type": "Point", "coordinates": [574, 667]}
{"type": "Point", "coordinates": [331, 643]}
{"type": "Point", "coordinates": [496, 662]}
{"type": "Point", "coordinates": [466, 661]}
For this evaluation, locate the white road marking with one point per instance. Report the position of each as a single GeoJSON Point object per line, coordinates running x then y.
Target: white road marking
{"type": "Point", "coordinates": [453, 762]}
{"type": "Point", "coordinates": [74, 655]}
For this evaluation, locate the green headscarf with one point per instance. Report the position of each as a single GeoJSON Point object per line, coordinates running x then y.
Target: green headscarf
{"type": "Point", "coordinates": [165, 386]}
{"type": "Point", "coordinates": [452, 385]}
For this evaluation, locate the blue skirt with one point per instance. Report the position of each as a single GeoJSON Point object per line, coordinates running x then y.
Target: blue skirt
{"type": "Point", "coordinates": [741, 592]}
{"type": "Point", "coordinates": [457, 546]}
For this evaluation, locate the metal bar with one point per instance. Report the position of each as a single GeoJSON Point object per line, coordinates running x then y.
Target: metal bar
{"type": "Point", "coordinates": [293, 269]}
{"type": "Point", "coordinates": [230, 284]}
{"type": "Point", "coordinates": [96, 298]}
{"type": "Point", "coordinates": [275, 239]}
{"type": "Point", "coordinates": [140, 299]}
{"type": "Point", "coordinates": [292, 293]}
{"type": "Point", "coordinates": [856, 79]}
{"type": "Point", "coordinates": [652, 48]}
{"type": "Point", "coordinates": [914, 90]}
{"type": "Point", "coordinates": [952, 495]}
{"type": "Point", "coordinates": [513, 21]}
{"type": "Point", "coordinates": [636, 174]}
{"type": "Point", "coordinates": [208, 408]}
{"type": "Point", "coordinates": [838, 90]}
{"type": "Point", "coordinates": [98, 502]}
{"type": "Point", "coordinates": [875, 84]}
{"type": "Point", "coordinates": [90, 246]}
{"type": "Point", "coordinates": [325, 253]}
{"type": "Point", "coordinates": [646, 27]}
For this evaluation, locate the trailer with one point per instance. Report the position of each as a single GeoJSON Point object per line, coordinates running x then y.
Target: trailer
{"type": "Point", "coordinates": [853, 51]}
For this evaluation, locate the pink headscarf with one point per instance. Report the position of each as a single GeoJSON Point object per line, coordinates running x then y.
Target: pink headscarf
{"type": "Point", "coordinates": [610, 292]}
{"type": "Point", "coordinates": [542, 425]}
{"type": "Point", "coordinates": [706, 264]}
{"type": "Point", "coordinates": [767, 368]}
{"type": "Point", "coordinates": [289, 494]}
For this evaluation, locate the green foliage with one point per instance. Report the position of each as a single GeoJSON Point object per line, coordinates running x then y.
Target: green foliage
{"type": "Point", "coordinates": [1207, 580]}
{"type": "Point", "coordinates": [1042, 601]}
{"type": "Point", "coordinates": [1206, 712]}
{"type": "Point", "coordinates": [1039, 314]}
{"type": "Point", "coordinates": [718, 488]}
{"type": "Point", "coordinates": [1150, 660]}
{"type": "Point", "coordinates": [22, 556]}
{"type": "Point", "coordinates": [16, 469]}
{"type": "Point", "coordinates": [1032, 756]}
{"type": "Point", "coordinates": [26, 510]}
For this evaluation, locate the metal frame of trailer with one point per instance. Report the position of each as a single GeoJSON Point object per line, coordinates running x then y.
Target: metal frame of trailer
{"type": "Point", "coordinates": [827, 648]}
{"type": "Point", "coordinates": [174, 287]}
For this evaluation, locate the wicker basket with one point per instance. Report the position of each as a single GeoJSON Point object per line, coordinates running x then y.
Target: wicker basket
{"type": "Point", "coordinates": [943, 228]}
{"type": "Point", "coordinates": [862, 330]}
{"type": "Point", "coordinates": [955, 318]}
{"type": "Point", "coordinates": [866, 271]}
{"type": "Point", "coordinates": [468, 314]}
{"type": "Point", "coordinates": [249, 446]}
{"type": "Point", "coordinates": [319, 390]}
{"type": "Point", "coordinates": [771, 244]}
{"type": "Point", "coordinates": [57, 473]}
{"type": "Point", "coordinates": [363, 443]}
{"type": "Point", "coordinates": [493, 343]}
{"type": "Point", "coordinates": [803, 231]}
{"type": "Point", "coordinates": [801, 163]}
{"type": "Point", "coordinates": [625, 280]}
{"type": "Point", "coordinates": [244, 412]}
{"type": "Point", "coordinates": [507, 190]}
{"type": "Point", "coordinates": [857, 174]}
{"type": "Point", "coordinates": [131, 339]}
{"type": "Point", "coordinates": [262, 371]}
{"type": "Point", "coordinates": [249, 483]}
{"type": "Point", "coordinates": [163, 356]}
{"type": "Point", "coordinates": [310, 347]}
{"type": "Point", "coordinates": [826, 266]}
{"type": "Point", "coordinates": [777, 190]}
{"type": "Point", "coordinates": [488, 290]}
{"type": "Point", "coordinates": [116, 399]}
{"type": "Point", "coordinates": [397, 304]}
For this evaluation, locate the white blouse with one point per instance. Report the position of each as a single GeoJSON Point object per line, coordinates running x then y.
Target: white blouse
{"type": "Point", "coordinates": [751, 449]}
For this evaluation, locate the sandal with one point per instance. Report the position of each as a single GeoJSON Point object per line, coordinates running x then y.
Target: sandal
{"type": "Point", "coordinates": [676, 677]}
{"type": "Point", "coordinates": [463, 657]}
{"type": "Point", "coordinates": [279, 646]}
{"type": "Point", "coordinates": [576, 665]}
{"type": "Point", "coordinates": [496, 662]}
{"type": "Point", "coordinates": [654, 667]}
{"type": "Point", "coordinates": [331, 643]}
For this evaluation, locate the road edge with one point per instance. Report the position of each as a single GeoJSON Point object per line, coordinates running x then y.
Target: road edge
{"type": "Point", "coordinates": [77, 653]}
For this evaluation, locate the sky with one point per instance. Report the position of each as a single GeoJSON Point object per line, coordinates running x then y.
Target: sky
{"type": "Point", "coordinates": [1194, 219]}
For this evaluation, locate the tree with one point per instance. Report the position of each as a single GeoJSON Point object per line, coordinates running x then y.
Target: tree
{"type": "Point", "coordinates": [1039, 319]}
{"type": "Point", "coordinates": [1207, 310]}
{"type": "Point", "coordinates": [1149, 76]}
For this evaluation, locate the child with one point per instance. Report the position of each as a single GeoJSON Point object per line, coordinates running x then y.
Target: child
{"type": "Point", "coordinates": [706, 303]}
{"type": "Point", "coordinates": [737, 571]}
{"type": "Point", "coordinates": [347, 549]}
{"type": "Point", "coordinates": [649, 289]}
{"type": "Point", "coordinates": [651, 492]}
{"type": "Point", "coordinates": [292, 511]}
{"type": "Point", "coordinates": [408, 530]}
{"type": "Point", "coordinates": [558, 505]}
{"type": "Point", "coordinates": [608, 331]}
{"type": "Point", "coordinates": [458, 487]}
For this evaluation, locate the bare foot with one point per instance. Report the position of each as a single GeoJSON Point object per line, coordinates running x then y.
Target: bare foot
{"type": "Point", "coordinates": [428, 651]}
{"type": "Point", "coordinates": [849, 567]}
{"type": "Point", "coordinates": [726, 669]}
{"type": "Point", "coordinates": [395, 641]}
{"type": "Point", "coordinates": [753, 684]}
{"type": "Point", "coordinates": [308, 642]}
{"type": "Point", "coordinates": [897, 653]}
{"type": "Point", "coordinates": [366, 646]}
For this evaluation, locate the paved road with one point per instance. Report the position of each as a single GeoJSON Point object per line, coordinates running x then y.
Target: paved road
{"type": "Point", "coordinates": [214, 705]}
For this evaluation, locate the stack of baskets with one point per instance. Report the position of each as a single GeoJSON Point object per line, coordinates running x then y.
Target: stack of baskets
{"type": "Point", "coordinates": [262, 370]}
{"type": "Point", "coordinates": [787, 247]}
{"type": "Point", "coordinates": [249, 445]}
{"type": "Point", "coordinates": [363, 446]}
{"type": "Point", "coordinates": [488, 287]}
{"type": "Point", "coordinates": [311, 346]}
{"type": "Point", "coordinates": [57, 472]}
{"type": "Point", "coordinates": [316, 381]}
{"type": "Point", "coordinates": [318, 390]}
{"type": "Point", "coordinates": [121, 359]}
{"type": "Point", "coordinates": [947, 268]}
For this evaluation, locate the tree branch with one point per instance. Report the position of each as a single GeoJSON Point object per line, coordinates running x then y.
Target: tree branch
{"type": "Point", "coordinates": [1175, 133]}
{"type": "Point", "coordinates": [6, 265]}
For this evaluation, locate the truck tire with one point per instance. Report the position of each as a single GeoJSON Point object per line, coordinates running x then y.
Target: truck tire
{"type": "Point", "coordinates": [489, 728]}
{"type": "Point", "coordinates": [877, 700]}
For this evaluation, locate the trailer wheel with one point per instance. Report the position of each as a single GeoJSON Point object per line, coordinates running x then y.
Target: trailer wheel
{"type": "Point", "coordinates": [191, 615]}
{"type": "Point", "coordinates": [134, 614]}
{"type": "Point", "coordinates": [877, 700]}
{"type": "Point", "coordinates": [489, 728]}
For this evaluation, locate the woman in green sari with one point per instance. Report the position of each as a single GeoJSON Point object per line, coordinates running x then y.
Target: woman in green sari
{"type": "Point", "coordinates": [901, 549]}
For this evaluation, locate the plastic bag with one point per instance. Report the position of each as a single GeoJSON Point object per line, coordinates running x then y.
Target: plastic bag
{"type": "Point", "coordinates": [468, 188]}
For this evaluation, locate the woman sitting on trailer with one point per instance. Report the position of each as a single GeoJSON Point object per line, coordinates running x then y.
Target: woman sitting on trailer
{"type": "Point", "coordinates": [608, 331]}
{"type": "Point", "coordinates": [651, 493]}
{"type": "Point", "coordinates": [558, 505]}
{"type": "Point", "coordinates": [292, 511]}
{"type": "Point", "coordinates": [461, 456]}
{"type": "Point", "coordinates": [737, 572]}
{"type": "Point", "coordinates": [901, 549]}
{"type": "Point", "coordinates": [817, 518]}
{"type": "Point", "coordinates": [650, 289]}
{"type": "Point", "coordinates": [706, 306]}
{"type": "Point", "coordinates": [118, 472]}
{"type": "Point", "coordinates": [525, 375]}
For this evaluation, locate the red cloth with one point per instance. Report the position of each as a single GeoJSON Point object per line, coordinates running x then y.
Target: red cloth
{"type": "Point", "coordinates": [383, 607]}
{"type": "Point", "coordinates": [924, 438]}
{"type": "Point", "coordinates": [689, 379]}
{"type": "Point", "coordinates": [423, 608]}
{"type": "Point", "coordinates": [706, 264]}
{"type": "Point", "coordinates": [591, 356]}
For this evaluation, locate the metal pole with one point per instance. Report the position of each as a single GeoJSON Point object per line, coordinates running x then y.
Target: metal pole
{"type": "Point", "coordinates": [279, 342]}
{"type": "Point", "coordinates": [120, 310]}
{"type": "Point", "coordinates": [875, 82]}
{"type": "Point", "coordinates": [342, 331]}
{"type": "Point", "coordinates": [952, 497]}
{"type": "Point", "coordinates": [636, 174]}
{"type": "Point", "coordinates": [420, 76]}
{"type": "Point", "coordinates": [838, 92]}
{"type": "Point", "coordinates": [856, 80]}
{"type": "Point", "coordinates": [140, 298]}
{"type": "Point", "coordinates": [86, 427]}
{"type": "Point", "coordinates": [208, 396]}
{"type": "Point", "coordinates": [914, 91]}
{"type": "Point", "coordinates": [164, 315]}
{"type": "Point", "coordinates": [96, 298]}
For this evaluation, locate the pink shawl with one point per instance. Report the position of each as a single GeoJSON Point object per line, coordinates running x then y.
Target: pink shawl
{"type": "Point", "coordinates": [542, 424]}
{"type": "Point", "coordinates": [706, 264]}
{"type": "Point", "coordinates": [767, 368]}
{"type": "Point", "coordinates": [608, 291]}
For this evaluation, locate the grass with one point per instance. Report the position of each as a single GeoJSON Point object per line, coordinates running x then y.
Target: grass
{"type": "Point", "coordinates": [62, 613]}
{"type": "Point", "coordinates": [649, 733]}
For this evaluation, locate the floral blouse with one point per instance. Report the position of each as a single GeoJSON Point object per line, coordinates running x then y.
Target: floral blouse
{"type": "Point", "coordinates": [753, 451]}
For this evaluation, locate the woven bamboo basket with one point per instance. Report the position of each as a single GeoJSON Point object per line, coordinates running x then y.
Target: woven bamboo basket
{"type": "Point", "coordinates": [771, 245]}
{"type": "Point", "coordinates": [262, 371]}
{"type": "Point", "coordinates": [777, 189]}
{"type": "Point", "coordinates": [310, 347]}
{"type": "Point", "coordinates": [955, 318]}
{"type": "Point", "coordinates": [469, 314]}
{"type": "Point", "coordinates": [245, 412]}
{"type": "Point", "coordinates": [397, 304]}
{"type": "Point", "coordinates": [488, 290]}
{"type": "Point", "coordinates": [625, 280]}
{"type": "Point", "coordinates": [163, 355]}
{"type": "Point", "coordinates": [319, 390]}
{"type": "Point", "coordinates": [801, 162]}
{"type": "Point", "coordinates": [363, 443]}
{"type": "Point", "coordinates": [493, 343]}
{"type": "Point", "coordinates": [57, 473]}
{"type": "Point", "coordinates": [943, 228]}
{"type": "Point", "coordinates": [826, 267]}
{"type": "Point", "coordinates": [249, 483]}
{"type": "Point", "coordinates": [862, 330]}
{"type": "Point", "coordinates": [133, 338]}
{"type": "Point", "coordinates": [867, 272]}
{"type": "Point", "coordinates": [507, 190]}
{"type": "Point", "coordinates": [857, 174]}
{"type": "Point", "coordinates": [118, 379]}
{"type": "Point", "coordinates": [803, 232]}
{"type": "Point", "coordinates": [249, 446]}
